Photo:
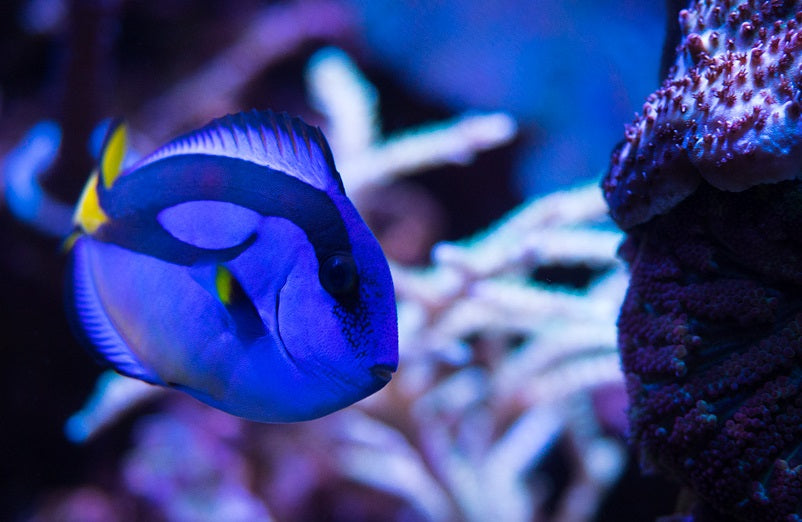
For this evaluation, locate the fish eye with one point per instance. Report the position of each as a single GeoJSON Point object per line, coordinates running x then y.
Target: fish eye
{"type": "Point", "coordinates": [338, 274]}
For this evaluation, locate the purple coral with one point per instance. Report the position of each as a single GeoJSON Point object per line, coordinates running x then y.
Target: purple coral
{"type": "Point", "coordinates": [710, 342]}
{"type": "Point", "coordinates": [728, 113]}
{"type": "Point", "coordinates": [710, 333]}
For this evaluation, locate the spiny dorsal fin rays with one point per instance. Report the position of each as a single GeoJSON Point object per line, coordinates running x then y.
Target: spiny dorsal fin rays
{"type": "Point", "coordinates": [277, 141]}
{"type": "Point", "coordinates": [113, 152]}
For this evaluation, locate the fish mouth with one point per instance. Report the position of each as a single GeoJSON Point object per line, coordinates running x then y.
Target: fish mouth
{"type": "Point", "coordinates": [382, 372]}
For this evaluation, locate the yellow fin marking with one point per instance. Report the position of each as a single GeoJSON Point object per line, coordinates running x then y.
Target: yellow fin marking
{"type": "Point", "coordinates": [222, 282]}
{"type": "Point", "coordinates": [68, 243]}
{"type": "Point", "coordinates": [113, 153]}
{"type": "Point", "coordinates": [88, 214]}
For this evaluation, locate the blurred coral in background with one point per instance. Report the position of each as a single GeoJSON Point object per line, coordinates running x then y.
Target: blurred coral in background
{"type": "Point", "coordinates": [508, 403]}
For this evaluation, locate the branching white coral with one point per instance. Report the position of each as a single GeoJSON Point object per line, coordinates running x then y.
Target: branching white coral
{"type": "Point", "coordinates": [495, 365]}
{"type": "Point", "coordinates": [544, 349]}
{"type": "Point", "coordinates": [350, 104]}
{"type": "Point", "coordinates": [481, 290]}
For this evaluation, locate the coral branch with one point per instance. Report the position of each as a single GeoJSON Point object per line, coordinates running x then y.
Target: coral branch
{"type": "Point", "coordinates": [349, 102]}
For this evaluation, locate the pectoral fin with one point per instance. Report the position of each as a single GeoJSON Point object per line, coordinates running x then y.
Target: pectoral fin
{"type": "Point", "coordinates": [221, 283]}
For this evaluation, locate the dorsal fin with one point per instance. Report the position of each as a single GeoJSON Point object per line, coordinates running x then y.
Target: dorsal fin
{"type": "Point", "coordinates": [274, 140]}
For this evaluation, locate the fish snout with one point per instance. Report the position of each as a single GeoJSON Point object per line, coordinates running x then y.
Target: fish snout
{"type": "Point", "coordinates": [382, 372]}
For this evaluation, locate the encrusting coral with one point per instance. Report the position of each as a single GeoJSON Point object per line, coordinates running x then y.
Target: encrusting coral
{"type": "Point", "coordinates": [706, 186]}
{"type": "Point", "coordinates": [728, 113]}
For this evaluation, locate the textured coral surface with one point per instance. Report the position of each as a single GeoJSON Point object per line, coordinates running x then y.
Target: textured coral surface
{"type": "Point", "coordinates": [710, 341]}
{"type": "Point", "coordinates": [728, 113]}
{"type": "Point", "coordinates": [710, 333]}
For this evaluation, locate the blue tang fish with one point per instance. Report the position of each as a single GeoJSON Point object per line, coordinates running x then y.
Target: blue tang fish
{"type": "Point", "coordinates": [230, 264]}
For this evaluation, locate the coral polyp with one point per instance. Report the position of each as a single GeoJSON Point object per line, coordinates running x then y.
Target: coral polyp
{"type": "Point", "coordinates": [728, 113]}
{"type": "Point", "coordinates": [710, 334]}
{"type": "Point", "coordinates": [710, 341]}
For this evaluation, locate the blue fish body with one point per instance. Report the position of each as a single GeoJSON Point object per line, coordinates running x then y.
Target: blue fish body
{"type": "Point", "coordinates": [231, 265]}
